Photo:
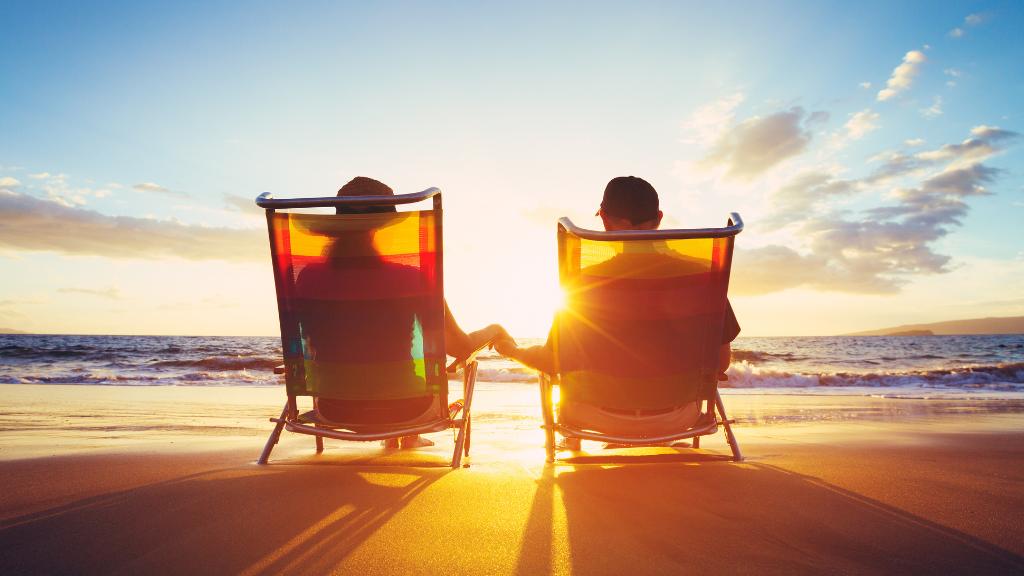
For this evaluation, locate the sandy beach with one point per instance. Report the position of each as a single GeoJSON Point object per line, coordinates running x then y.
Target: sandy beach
{"type": "Point", "coordinates": [163, 480]}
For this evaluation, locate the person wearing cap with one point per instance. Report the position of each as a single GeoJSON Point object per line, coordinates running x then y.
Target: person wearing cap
{"type": "Point", "coordinates": [629, 203]}
{"type": "Point", "coordinates": [390, 334]}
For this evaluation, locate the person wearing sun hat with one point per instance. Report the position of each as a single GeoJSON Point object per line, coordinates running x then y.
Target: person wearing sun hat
{"type": "Point", "coordinates": [390, 330]}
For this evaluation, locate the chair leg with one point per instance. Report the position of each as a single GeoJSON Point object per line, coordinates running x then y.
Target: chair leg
{"type": "Point", "coordinates": [319, 444]}
{"type": "Point", "coordinates": [461, 441]}
{"type": "Point", "coordinates": [547, 411]}
{"type": "Point", "coordinates": [729, 436]}
{"type": "Point", "coordinates": [274, 437]}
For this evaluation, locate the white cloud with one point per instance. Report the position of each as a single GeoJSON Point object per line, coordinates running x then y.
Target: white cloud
{"type": "Point", "coordinates": [934, 110]}
{"type": "Point", "coordinates": [156, 188]}
{"type": "Point", "coordinates": [7, 182]}
{"type": "Point", "coordinates": [970, 20]}
{"type": "Point", "coordinates": [880, 248]}
{"type": "Point", "coordinates": [36, 224]}
{"type": "Point", "coordinates": [757, 144]}
{"type": "Point", "coordinates": [903, 75]}
{"type": "Point", "coordinates": [39, 176]}
{"type": "Point", "coordinates": [111, 293]}
{"type": "Point", "coordinates": [708, 122]}
{"type": "Point", "coordinates": [860, 123]}
{"type": "Point", "coordinates": [914, 142]}
{"type": "Point", "coordinates": [865, 85]}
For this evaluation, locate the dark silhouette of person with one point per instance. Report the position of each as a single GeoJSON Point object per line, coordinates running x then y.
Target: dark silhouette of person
{"type": "Point", "coordinates": [361, 308]}
{"type": "Point", "coordinates": [609, 331]}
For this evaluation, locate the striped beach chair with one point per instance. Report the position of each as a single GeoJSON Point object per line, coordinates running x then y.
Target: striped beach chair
{"type": "Point", "coordinates": [361, 305]}
{"type": "Point", "coordinates": [641, 330]}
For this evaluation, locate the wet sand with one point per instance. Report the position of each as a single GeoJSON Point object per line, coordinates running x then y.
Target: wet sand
{"type": "Point", "coordinates": [162, 480]}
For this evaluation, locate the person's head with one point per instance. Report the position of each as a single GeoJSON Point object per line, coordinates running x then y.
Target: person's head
{"type": "Point", "coordinates": [363, 186]}
{"type": "Point", "coordinates": [630, 203]}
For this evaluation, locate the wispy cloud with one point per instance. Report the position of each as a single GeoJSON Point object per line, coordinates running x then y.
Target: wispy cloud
{"type": "Point", "coordinates": [903, 75]}
{"type": "Point", "coordinates": [110, 293]}
{"type": "Point", "coordinates": [8, 182]}
{"type": "Point", "coordinates": [934, 110]}
{"type": "Point", "coordinates": [860, 123]}
{"type": "Point", "coordinates": [755, 145]}
{"type": "Point", "coordinates": [709, 122]}
{"type": "Point", "coordinates": [970, 20]}
{"type": "Point", "coordinates": [914, 142]}
{"type": "Point", "coordinates": [953, 74]}
{"type": "Point", "coordinates": [37, 224]}
{"type": "Point", "coordinates": [879, 250]}
{"type": "Point", "coordinates": [158, 189]}
{"type": "Point", "coordinates": [241, 204]}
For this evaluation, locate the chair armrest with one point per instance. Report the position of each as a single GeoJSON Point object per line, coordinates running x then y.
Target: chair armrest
{"type": "Point", "coordinates": [279, 369]}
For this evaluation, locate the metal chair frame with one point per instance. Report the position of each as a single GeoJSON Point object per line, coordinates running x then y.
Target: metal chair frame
{"type": "Point", "coordinates": [290, 421]}
{"type": "Point", "coordinates": [715, 409]}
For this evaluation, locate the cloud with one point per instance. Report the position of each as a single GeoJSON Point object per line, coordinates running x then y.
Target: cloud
{"type": "Point", "coordinates": [865, 85]}
{"type": "Point", "coordinates": [903, 75]}
{"type": "Point", "coordinates": [158, 189]}
{"type": "Point", "coordinates": [970, 20]}
{"type": "Point", "coordinates": [983, 143]}
{"type": "Point", "coordinates": [753, 146]}
{"type": "Point", "coordinates": [800, 196]}
{"type": "Point", "coordinates": [708, 122]}
{"type": "Point", "coordinates": [247, 205]}
{"type": "Point", "coordinates": [880, 248]}
{"type": "Point", "coordinates": [914, 142]}
{"type": "Point", "coordinates": [953, 74]}
{"type": "Point", "coordinates": [860, 123]}
{"type": "Point", "coordinates": [8, 182]}
{"type": "Point", "coordinates": [36, 224]}
{"type": "Point", "coordinates": [111, 293]}
{"type": "Point", "coordinates": [934, 110]}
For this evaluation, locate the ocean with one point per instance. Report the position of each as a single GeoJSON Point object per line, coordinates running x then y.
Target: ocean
{"type": "Point", "coordinates": [976, 367]}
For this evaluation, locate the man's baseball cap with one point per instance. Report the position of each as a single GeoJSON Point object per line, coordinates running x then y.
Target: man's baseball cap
{"type": "Point", "coordinates": [631, 198]}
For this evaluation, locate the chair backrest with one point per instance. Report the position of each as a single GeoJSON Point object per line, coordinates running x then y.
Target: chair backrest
{"type": "Point", "coordinates": [642, 323]}
{"type": "Point", "coordinates": [360, 298]}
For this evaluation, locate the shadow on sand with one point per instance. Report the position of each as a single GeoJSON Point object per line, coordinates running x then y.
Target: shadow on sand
{"type": "Point", "coordinates": [629, 514]}
{"type": "Point", "coordinates": [614, 513]}
{"type": "Point", "coordinates": [300, 515]}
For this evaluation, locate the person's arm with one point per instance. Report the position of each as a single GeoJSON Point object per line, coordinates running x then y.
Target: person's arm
{"type": "Point", "coordinates": [460, 345]}
{"type": "Point", "coordinates": [537, 357]}
{"type": "Point", "coordinates": [724, 357]}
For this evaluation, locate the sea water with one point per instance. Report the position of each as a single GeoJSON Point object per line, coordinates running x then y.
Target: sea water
{"type": "Point", "coordinates": [894, 366]}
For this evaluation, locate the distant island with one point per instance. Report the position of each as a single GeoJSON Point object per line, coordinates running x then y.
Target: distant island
{"type": "Point", "coordinates": [11, 331]}
{"type": "Point", "coordinates": [1005, 325]}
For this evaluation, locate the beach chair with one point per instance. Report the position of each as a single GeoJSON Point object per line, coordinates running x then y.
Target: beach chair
{"type": "Point", "coordinates": [361, 305]}
{"type": "Point", "coordinates": [641, 329]}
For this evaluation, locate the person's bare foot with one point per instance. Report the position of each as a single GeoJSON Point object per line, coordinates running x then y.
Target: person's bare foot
{"type": "Point", "coordinates": [410, 442]}
{"type": "Point", "coordinates": [568, 443]}
{"type": "Point", "coordinates": [390, 444]}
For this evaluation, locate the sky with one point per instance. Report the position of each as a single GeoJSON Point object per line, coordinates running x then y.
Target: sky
{"type": "Point", "coordinates": [874, 150]}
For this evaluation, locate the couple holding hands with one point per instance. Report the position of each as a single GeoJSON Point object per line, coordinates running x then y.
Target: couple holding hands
{"type": "Point", "coordinates": [629, 203]}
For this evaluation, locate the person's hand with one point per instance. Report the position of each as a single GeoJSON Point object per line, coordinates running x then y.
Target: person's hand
{"type": "Point", "coordinates": [505, 345]}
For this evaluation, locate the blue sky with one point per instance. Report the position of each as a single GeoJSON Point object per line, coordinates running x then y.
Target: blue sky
{"type": "Point", "coordinates": [178, 115]}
